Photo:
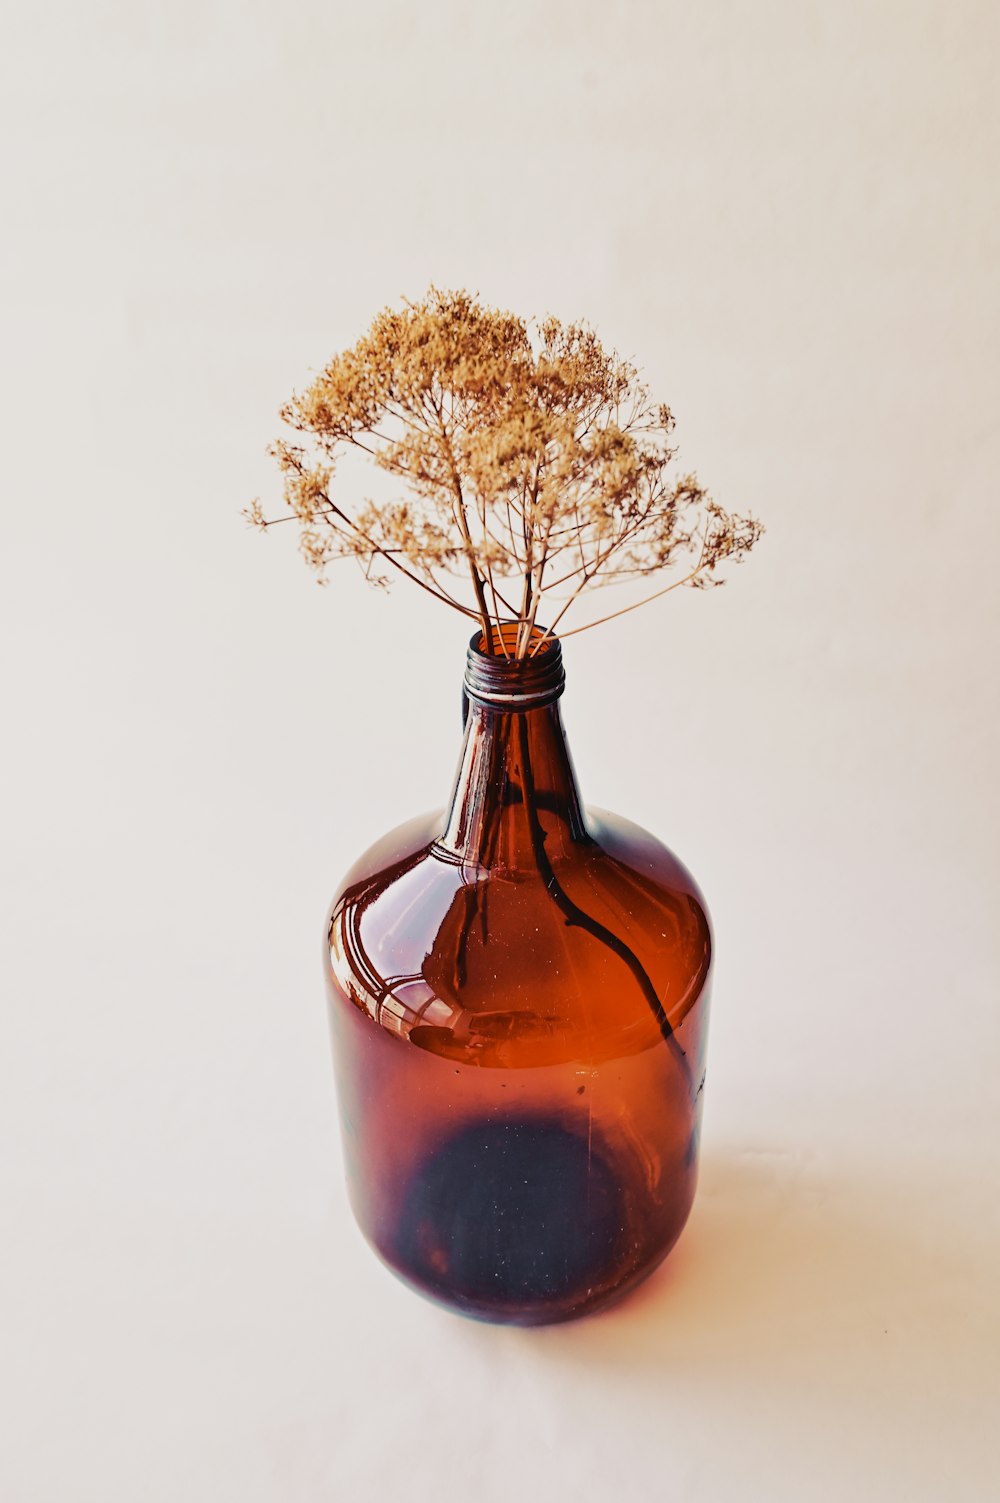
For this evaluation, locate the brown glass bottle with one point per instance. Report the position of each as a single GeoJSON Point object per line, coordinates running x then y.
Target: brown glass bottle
{"type": "Point", "coordinates": [518, 996]}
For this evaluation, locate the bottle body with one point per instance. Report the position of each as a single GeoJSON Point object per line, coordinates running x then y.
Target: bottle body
{"type": "Point", "coordinates": [518, 1000]}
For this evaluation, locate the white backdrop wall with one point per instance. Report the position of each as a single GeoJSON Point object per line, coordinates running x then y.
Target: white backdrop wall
{"type": "Point", "coordinates": [787, 214]}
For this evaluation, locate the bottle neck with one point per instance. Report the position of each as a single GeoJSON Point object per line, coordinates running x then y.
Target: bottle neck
{"type": "Point", "coordinates": [515, 800]}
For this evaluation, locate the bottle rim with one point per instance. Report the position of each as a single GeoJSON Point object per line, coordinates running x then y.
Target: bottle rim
{"type": "Point", "coordinates": [511, 683]}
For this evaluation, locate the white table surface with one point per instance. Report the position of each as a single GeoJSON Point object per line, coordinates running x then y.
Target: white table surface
{"type": "Point", "coordinates": [788, 215]}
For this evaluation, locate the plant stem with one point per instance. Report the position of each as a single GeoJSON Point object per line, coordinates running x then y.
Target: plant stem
{"type": "Point", "coordinates": [576, 915]}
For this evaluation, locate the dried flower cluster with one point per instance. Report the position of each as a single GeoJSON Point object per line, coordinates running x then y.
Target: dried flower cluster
{"type": "Point", "coordinates": [533, 465]}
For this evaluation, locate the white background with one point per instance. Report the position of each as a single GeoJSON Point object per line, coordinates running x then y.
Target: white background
{"type": "Point", "coordinates": [787, 213]}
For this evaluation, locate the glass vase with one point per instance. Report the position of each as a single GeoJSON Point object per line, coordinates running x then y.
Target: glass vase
{"type": "Point", "coordinates": [518, 991]}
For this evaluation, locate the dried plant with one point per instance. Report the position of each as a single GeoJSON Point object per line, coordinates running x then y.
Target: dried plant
{"type": "Point", "coordinates": [533, 463]}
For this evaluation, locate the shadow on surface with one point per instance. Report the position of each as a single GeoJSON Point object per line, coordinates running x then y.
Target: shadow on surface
{"type": "Point", "coordinates": [784, 1265]}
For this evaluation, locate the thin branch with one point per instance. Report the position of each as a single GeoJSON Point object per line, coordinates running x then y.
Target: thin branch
{"type": "Point", "coordinates": [625, 609]}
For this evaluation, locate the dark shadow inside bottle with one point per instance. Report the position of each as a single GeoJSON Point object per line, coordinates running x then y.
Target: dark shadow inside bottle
{"type": "Point", "coordinates": [512, 1214]}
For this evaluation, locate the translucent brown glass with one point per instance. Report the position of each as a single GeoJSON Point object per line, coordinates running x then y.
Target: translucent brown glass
{"type": "Point", "coordinates": [518, 996]}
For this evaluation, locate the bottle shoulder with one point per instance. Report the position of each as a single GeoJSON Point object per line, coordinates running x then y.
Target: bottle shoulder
{"type": "Point", "coordinates": [593, 952]}
{"type": "Point", "coordinates": [380, 860]}
{"type": "Point", "coordinates": [614, 843]}
{"type": "Point", "coordinates": [634, 849]}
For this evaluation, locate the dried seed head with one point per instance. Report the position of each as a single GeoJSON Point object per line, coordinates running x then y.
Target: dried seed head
{"type": "Point", "coordinates": [533, 464]}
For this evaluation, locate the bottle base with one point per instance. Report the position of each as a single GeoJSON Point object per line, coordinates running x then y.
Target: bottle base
{"type": "Point", "coordinates": [521, 1223]}
{"type": "Point", "coordinates": [592, 1302]}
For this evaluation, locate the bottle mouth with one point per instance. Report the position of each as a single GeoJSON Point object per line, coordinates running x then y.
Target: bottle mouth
{"type": "Point", "coordinates": [511, 683]}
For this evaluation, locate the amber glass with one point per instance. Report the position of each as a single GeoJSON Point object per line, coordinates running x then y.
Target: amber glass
{"type": "Point", "coordinates": [518, 995]}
